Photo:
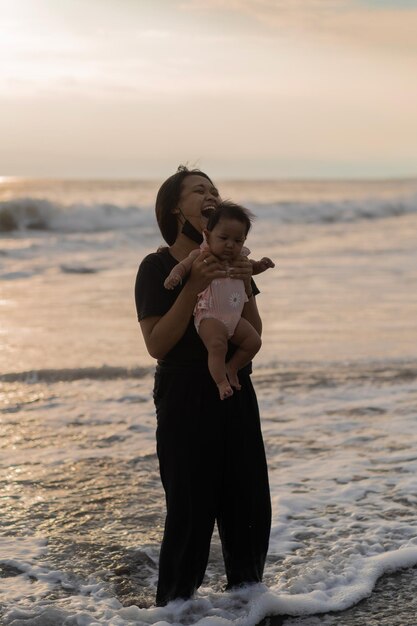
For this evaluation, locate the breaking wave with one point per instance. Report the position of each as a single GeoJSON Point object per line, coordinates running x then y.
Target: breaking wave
{"type": "Point", "coordinates": [105, 372]}
{"type": "Point", "coordinates": [293, 375]}
{"type": "Point", "coordinates": [22, 214]}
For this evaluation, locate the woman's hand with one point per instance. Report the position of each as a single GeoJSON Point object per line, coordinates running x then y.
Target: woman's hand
{"type": "Point", "coordinates": [242, 270]}
{"type": "Point", "coordinates": [204, 269]}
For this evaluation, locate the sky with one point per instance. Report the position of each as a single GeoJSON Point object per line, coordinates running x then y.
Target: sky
{"type": "Point", "coordinates": [241, 88]}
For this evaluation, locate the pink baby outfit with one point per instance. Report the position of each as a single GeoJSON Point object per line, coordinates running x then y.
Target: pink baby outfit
{"type": "Point", "coordinates": [222, 300]}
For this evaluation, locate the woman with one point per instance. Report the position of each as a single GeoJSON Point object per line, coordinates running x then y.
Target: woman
{"type": "Point", "coordinates": [211, 453]}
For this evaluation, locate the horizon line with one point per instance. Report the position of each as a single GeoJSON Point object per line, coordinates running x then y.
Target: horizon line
{"type": "Point", "coordinates": [331, 178]}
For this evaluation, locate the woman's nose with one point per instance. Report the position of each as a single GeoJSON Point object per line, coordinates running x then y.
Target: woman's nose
{"type": "Point", "coordinates": [210, 196]}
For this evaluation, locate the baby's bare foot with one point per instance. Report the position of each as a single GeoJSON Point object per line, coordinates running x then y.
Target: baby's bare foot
{"type": "Point", "coordinates": [225, 389]}
{"type": "Point", "coordinates": [233, 379]}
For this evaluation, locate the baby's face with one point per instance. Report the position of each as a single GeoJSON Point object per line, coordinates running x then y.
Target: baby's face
{"type": "Point", "coordinates": [226, 239]}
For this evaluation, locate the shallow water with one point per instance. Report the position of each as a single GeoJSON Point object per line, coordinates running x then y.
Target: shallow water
{"type": "Point", "coordinates": [82, 505]}
{"type": "Point", "coordinates": [82, 508]}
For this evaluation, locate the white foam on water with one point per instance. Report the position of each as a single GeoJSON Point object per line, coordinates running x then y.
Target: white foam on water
{"type": "Point", "coordinates": [20, 554]}
{"type": "Point", "coordinates": [93, 604]}
{"type": "Point", "coordinates": [21, 548]}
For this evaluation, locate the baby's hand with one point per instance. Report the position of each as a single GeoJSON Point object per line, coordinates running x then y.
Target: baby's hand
{"type": "Point", "coordinates": [172, 281]}
{"type": "Point", "coordinates": [260, 266]}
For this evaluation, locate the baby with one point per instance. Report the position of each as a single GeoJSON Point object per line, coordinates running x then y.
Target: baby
{"type": "Point", "coordinates": [217, 314]}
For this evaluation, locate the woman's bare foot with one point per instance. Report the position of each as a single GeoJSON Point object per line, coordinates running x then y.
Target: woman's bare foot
{"type": "Point", "coordinates": [225, 389]}
{"type": "Point", "coordinates": [233, 379]}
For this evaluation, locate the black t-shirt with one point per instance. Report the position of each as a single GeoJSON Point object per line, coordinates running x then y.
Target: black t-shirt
{"type": "Point", "coordinates": [153, 300]}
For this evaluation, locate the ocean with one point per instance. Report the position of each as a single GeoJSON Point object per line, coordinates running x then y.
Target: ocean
{"type": "Point", "coordinates": [82, 507]}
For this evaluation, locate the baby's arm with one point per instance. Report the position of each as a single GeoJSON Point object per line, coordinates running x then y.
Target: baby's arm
{"type": "Point", "coordinates": [257, 266]}
{"type": "Point", "coordinates": [180, 270]}
{"type": "Point", "coordinates": [260, 266]}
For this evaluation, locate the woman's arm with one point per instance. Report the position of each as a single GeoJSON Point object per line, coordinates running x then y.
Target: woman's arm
{"type": "Point", "coordinates": [251, 314]}
{"type": "Point", "coordinates": [161, 334]}
{"type": "Point", "coordinates": [242, 269]}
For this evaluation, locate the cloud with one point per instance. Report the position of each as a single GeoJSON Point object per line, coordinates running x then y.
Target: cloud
{"type": "Point", "coordinates": [368, 24]}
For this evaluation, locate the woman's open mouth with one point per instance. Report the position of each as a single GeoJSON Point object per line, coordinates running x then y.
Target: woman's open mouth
{"type": "Point", "coordinates": [207, 211]}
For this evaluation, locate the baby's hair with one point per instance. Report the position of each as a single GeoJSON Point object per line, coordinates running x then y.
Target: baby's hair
{"type": "Point", "coordinates": [230, 211]}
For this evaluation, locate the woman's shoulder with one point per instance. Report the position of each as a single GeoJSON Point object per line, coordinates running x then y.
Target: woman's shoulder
{"type": "Point", "coordinates": [161, 259]}
{"type": "Point", "coordinates": [156, 257]}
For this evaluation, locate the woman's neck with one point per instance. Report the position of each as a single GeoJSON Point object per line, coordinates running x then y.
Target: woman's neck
{"type": "Point", "coordinates": [182, 247]}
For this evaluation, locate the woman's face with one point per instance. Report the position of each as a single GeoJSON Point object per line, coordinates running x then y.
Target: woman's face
{"type": "Point", "coordinates": [198, 197]}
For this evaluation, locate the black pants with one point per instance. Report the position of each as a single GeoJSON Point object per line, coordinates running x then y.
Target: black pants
{"type": "Point", "coordinates": [213, 468]}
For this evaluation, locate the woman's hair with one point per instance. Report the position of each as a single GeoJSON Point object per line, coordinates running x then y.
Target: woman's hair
{"type": "Point", "coordinates": [230, 211]}
{"type": "Point", "coordinates": [167, 199]}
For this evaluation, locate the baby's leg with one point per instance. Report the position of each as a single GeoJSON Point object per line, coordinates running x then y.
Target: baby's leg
{"type": "Point", "coordinates": [214, 336]}
{"type": "Point", "coordinates": [181, 270]}
{"type": "Point", "coordinates": [176, 276]}
{"type": "Point", "coordinates": [173, 280]}
{"type": "Point", "coordinates": [249, 343]}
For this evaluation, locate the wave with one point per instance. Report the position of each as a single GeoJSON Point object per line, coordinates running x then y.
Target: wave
{"type": "Point", "coordinates": [105, 372]}
{"type": "Point", "coordinates": [334, 211]}
{"type": "Point", "coordinates": [22, 214]}
{"type": "Point", "coordinates": [284, 375]}
{"type": "Point", "coordinates": [308, 376]}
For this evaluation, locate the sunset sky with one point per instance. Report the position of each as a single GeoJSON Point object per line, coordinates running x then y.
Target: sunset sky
{"type": "Point", "coordinates": [260, 89]}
